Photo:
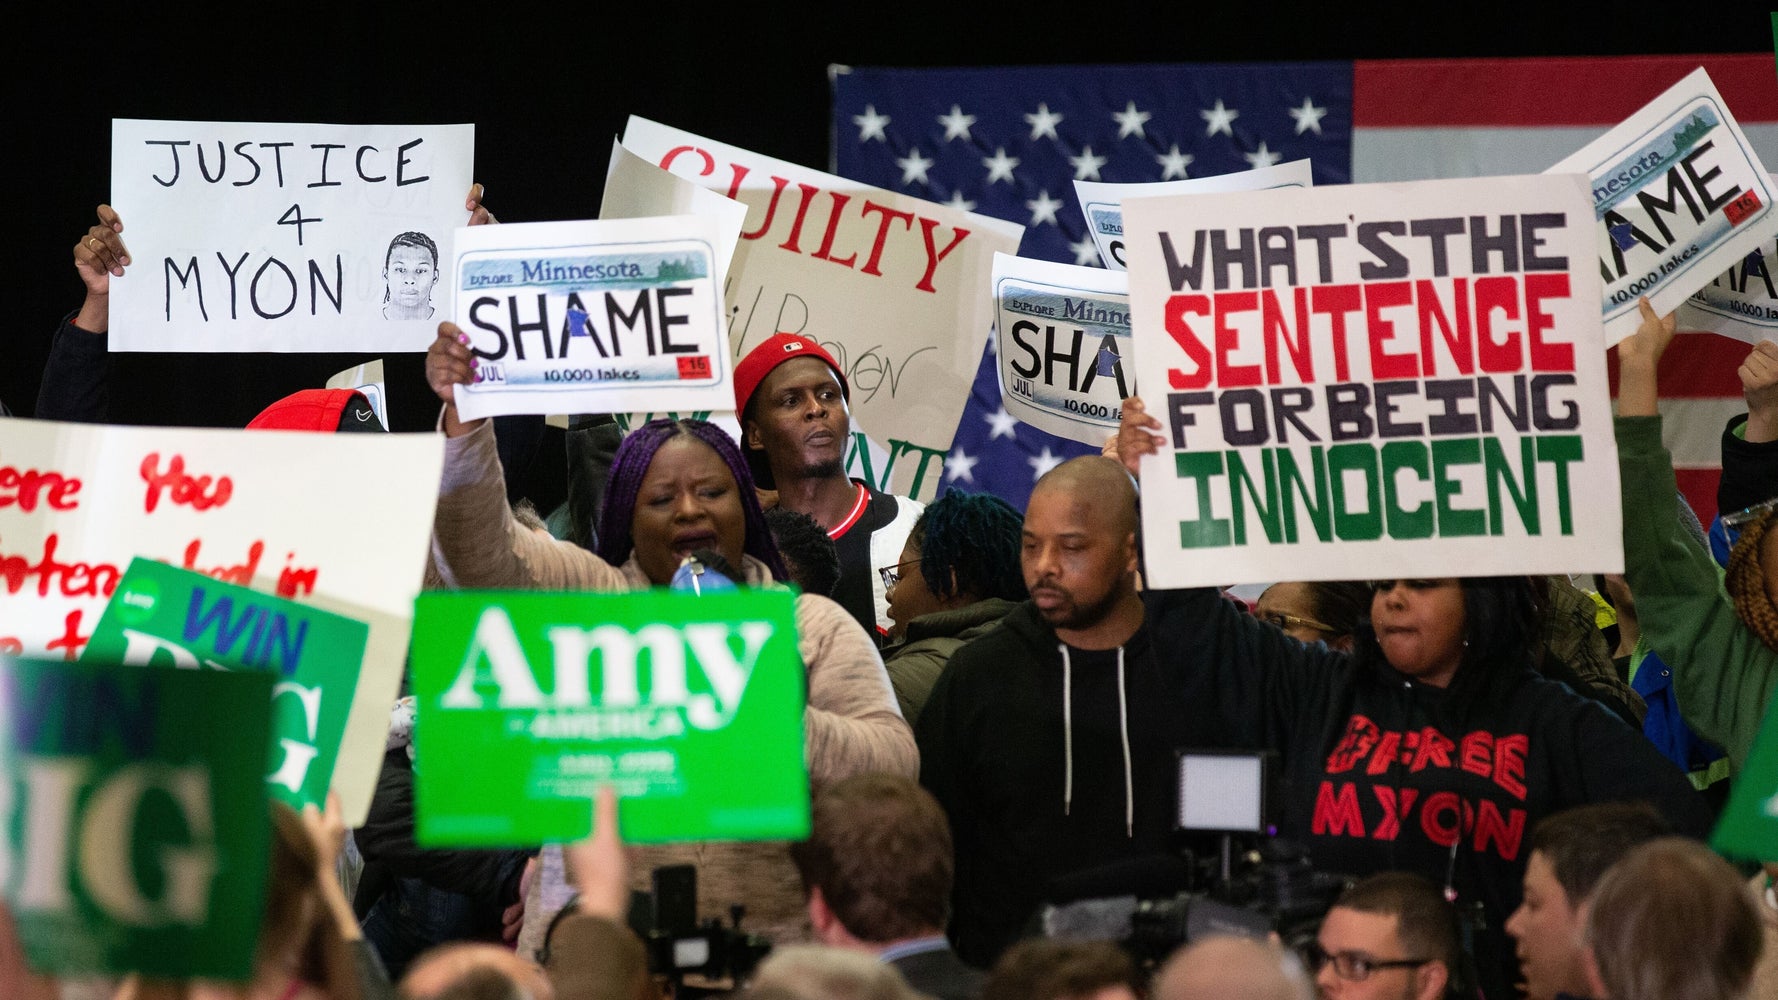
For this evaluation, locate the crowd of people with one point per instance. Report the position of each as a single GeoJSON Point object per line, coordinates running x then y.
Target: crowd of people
{"type": "Point", "coordinates": [1515, 801]}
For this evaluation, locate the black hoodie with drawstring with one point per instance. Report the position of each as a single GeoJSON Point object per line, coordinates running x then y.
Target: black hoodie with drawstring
{"type": "Point", "coordinates": [1049, 761]}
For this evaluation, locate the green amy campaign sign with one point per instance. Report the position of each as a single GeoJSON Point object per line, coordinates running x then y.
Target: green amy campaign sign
{"type": "Point", "coordinates": [691, 707]}
{"type": "Point", "coordinates": [133, 833]}
{"type": "Point", "coordinates": [162, 615]}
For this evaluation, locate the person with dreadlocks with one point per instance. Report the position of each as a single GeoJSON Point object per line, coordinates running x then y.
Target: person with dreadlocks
{"type": "Point", "coordinates": [1722, 648]}
{"type": "Point", "coordinates": [675, 487]}
{"type": "Point", "coordinates": [957, 576]}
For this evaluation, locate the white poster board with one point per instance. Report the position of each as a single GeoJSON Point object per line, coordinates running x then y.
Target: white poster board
{"type": "Point", "coordinates": [343, 521]}
{"type": "Point", "coordinates": [1741, 302]}
{"type": "Point", "coordinates": [592, 317]}
{"type": "Point", "coordinates": [1102, 203]}
{"type": "Point", "coordinates": [895, 287]}
{"type": "Point", "coordinates": [248, 236]}
{"type": "Point", "coordinates": [1343, 399]}
{"type": "Point", "coordinates": [1063, 346]}
{"type": "Point", "coordinates": [1679, 196]}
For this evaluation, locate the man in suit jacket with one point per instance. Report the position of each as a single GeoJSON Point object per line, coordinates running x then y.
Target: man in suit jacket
{"type": "Point", "coordinates": [877, 868]}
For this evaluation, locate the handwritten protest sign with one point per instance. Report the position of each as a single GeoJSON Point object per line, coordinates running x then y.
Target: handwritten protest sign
{"type": "Point", "coordinates": [894, 287]}
{"type": "Point", "coordinates": [161, 615]}
{"type": "Point", "coordinates": [342, 522]}
{"type": "Point", "coordinates": [1679, 196]}
{"type": "Point", "coordinates": [133, 832]}
{"type": "Point", "coordinates": [1064, 335]}
{"type": "Point", "coordinates": [1102, 203]}
{"type": "Point", "coordinates": [592, 317]}
{"type": "Point", "coordinates": [1749, 825]}
{"type": "Point", "coordinates": [1373, 380]}
{"type": "Point", "coordinates": [690, 706]}
{"type": "Point", "coordinates": [249, 236]}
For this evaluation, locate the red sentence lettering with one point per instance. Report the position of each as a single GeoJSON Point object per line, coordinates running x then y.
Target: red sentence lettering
{"type": "Point", "coordinates": [194, 492]}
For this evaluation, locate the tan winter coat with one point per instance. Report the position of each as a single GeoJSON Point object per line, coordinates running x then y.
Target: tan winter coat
{"type": "Point", "coordinates": [852, 724]}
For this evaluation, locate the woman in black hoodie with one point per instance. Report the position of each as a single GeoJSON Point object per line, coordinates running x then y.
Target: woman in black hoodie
{"type": "Point", "coordinates": [1434, 747]}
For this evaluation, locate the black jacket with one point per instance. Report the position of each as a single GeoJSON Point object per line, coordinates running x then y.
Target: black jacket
{"type": "Point", "coordinates": [1380, 772]}
{"type": "Point", "coordinates": [995, 752]}
{"type": "Point", "coordinates": [1749, 471]}
{"type": "Point", "coordinates": [491, 877]}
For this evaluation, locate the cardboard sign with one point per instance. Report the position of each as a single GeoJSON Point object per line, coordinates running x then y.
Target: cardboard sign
{"type": "Point", "coordinates": [592, 317]}
{"type": "Point", "coordinates": [161, 615]}
{"type": "Point", "coordinates": [692, 707]}
{"type": "Point", "coordinates": [1063, 337]}
{"type": "Point", "coordinates": [1741, 302]}
{"type": "Point", "coordinates": [339, 521]}
{"type": "Point", "coordinates": [1749, 824]}
{"type": "Point", "coordinates": [1368, 381]}
{"type": "Point", "coordinates": [637, 189]}
{"type": "Point", "coordinates": [133, 829]}
{"type": "Point", "coordinates": [1679, 196]}
{"type": "Point", "coordinates": [894, 287]}
{"type": "Point", "coordinates": [249, 236]}
{"type": "Point", "coordinates": [1102, 203]}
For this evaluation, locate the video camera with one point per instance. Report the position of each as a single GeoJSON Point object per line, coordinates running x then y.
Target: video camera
{"type": "Point", "coordinates": [1152, 907]}
{"type": "Point", "coordinates": [680, 946]}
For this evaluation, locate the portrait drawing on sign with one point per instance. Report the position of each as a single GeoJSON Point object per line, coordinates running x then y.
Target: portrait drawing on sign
{"type": "Point", "coordinates": [410, 269]}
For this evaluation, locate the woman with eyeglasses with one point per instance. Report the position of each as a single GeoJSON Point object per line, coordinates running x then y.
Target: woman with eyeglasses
{"type": "Point", "coordinates": [675, 487]}
{"type": "Point", "coordinates": [1720, 642]}
{"type": "Point", "coordinates": [1320, 611]}
{"type": "Point", "coordinates": [957, 577]}
{"type": "Point", "coordinates": [1433, 747]}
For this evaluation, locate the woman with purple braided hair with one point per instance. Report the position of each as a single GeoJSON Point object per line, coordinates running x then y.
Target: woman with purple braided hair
{"type": "Point", "coordinates": [675, 487]}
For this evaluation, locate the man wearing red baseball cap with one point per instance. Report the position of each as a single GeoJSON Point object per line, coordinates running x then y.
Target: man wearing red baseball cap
{"type": "Point", "coordinates": [790, 396]}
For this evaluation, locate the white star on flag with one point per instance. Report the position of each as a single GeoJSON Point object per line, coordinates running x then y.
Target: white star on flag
{"type": "Point", "coordinates": [1219, 119]}
{"type": "Point", "coordinates": [958, 201]}
{"type": "Point", "coordinates": [956, 123]}
{"type": "Point", "coordinates": [1043, 122]}
{"type": "Point", "coordinates": [1173, 163]}
{"type": "Point", "coordinates": [1308, 117]}
{"type": "Point", "coordinates": [959, 466]}
{"type": "Point", "coordinates": [1086, 165]}
{"type": "Point", "coordinates": [1003, 423]}
{"type": "Point", "coordinates": [1043, 463]}
{"type": "Point", "coordinates": [870, 124]}
{"type": "Point", "coordinates": [1000, 166]}
{"type": "Point", "coordinates": [1086, 252]}
{"type": "Point", "coordinates": [914, 167]}
{"type": "Point", "coordinates": [1130, 121]}
{"type": "Point", "coordinates": [1043, 209]}
{"type": "Point", "coordinates": [1261, 157]}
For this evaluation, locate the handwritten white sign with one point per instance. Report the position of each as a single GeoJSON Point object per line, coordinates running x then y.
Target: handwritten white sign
{"type": "Point", "coordinates": [1362, 381]}
{"type": "Point", "coordinates": [285, 238]}
{"type": "Point", "coordinates": [342, 521]}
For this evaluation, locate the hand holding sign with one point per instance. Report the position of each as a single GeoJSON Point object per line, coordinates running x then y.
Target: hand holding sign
{"type": "Point", "coordinates": [1133, 437]}
{"type": "Point", "coordinates": [598, 865]}
{"type": "Point", "coordinates": [448, 365]}
{"type": "Point", "coordinates": [478, 213]}
{"type": "Point", "coordinates": [1759, 383]}
{"type": "Point", "coordinates": [98, 257]}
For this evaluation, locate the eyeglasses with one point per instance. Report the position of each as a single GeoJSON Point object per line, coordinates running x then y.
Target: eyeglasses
{"type": "Point", "coordinates": [1741, 520]}
{"type": "Point", "coordinates": [892, 574]}
{"type": "Point", "coordinates": [1289, 621]}
{"type": "Point", "coordinates": [1354, 966]}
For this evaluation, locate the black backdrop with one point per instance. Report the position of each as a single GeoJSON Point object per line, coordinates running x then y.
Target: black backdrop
{"type": "Point", "coordinates": [548, 84]}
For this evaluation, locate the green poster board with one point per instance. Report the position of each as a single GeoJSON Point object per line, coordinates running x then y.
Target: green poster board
{"type": "Point", "coordinates": [1749, 825]}
{"type": "Point", "coordinates": [691, 707]}
{"type": "Point", "coordinates": [133, 826]}
{"type": "Point", "coordinates": [162, 615]}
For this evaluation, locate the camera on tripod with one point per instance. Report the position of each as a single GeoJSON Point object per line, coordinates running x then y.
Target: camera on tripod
{"type": "Point", "coordinates": [680, 946]}
{"type": "Point", "coordinates": [1252, 884]}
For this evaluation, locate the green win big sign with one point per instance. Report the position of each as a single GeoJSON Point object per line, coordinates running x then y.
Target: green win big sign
{"type": "Point", "coordinates": [133, 832]}
{"type": "Point", "coordinates": [691, 707]}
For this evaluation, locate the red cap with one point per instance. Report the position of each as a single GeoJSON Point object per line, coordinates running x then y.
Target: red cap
{"type": "Point", "coordinates": [769, 354]}
{"type": "Point", "coordinates": [308, 410]}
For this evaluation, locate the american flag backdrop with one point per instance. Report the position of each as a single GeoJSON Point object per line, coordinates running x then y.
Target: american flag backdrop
{"type": "Point", "coordinates": [1010, 142]}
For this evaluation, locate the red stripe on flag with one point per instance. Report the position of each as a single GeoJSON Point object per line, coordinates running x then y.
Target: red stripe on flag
{"type": "Point", "coordinates": [1697, 366]}
{"type": "Point", "coordinates": [1522, 93]}
{"type": "Point", "coordinates": [1699, 487]}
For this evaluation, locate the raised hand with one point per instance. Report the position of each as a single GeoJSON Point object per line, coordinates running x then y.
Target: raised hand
{"type": "Point", "coordinates": [99, 256]}
{"type": "Point", "coordinates": [1134, 435]}
{"type": "Point", "coordinates": [1759, 383]}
